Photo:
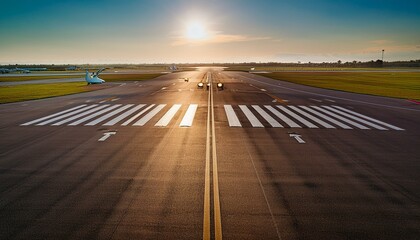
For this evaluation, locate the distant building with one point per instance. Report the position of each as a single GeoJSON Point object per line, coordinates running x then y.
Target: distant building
{"type": "Point", "coordinates": [72, 68]}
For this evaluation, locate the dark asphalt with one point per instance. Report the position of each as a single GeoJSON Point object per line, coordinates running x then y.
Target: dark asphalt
{"type": "Point", "coordinates": [147, 182]}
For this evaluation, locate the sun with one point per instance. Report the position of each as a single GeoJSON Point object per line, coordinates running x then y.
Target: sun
{"type": "Point", "coordinates": [196, 31]}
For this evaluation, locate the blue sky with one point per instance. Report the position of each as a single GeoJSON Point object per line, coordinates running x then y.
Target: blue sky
{"type": "Point", "coordinates": [166, 31]}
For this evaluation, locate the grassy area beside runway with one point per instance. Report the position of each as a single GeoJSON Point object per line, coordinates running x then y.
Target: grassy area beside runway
{"type": "Point", "coordinates": [130, 76]}
{"type": "Point", "coordinates": [26, 92]}
{"type": "Point", "coordinates": [29, 78]}
{"type": "Point", "coordinates": [315, 69]}
{"type": "Point", "coordinates": [404, 85]}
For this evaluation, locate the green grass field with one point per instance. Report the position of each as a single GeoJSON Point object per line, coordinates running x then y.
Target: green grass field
{"type": "Point", "coordinates": [313, 69]}
{"type": "Point", "coordinates": [37, 91]}
{"type": "Point", "coordinates": [29, 78]}
{"type": "Point", "coordinates": [26, 92]}
{"type": "Point", "coordinates": [404, 85]}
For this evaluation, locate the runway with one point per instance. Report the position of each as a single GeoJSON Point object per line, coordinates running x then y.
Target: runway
{"type": "Point", "coordinates": [260, 159]}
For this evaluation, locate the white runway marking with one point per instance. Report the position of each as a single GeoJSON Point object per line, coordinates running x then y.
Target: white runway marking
{"type": "Point", "coordinates": [315, 119]}
{"type": "Point", "coordinates": [266, 116]}
{"type": "Point", "coordinates": [371, 119]}
{"type": "Point", "coordinates": [124, 115]}
{"type": "Point", "coordinates": [106, 136]}
{"type": "Point", "coordinates": [164, 121]}
{"type": "Point", "coordinates": [94, 115]}
{"type": "Point", "coordinates": [297, 117]}
{"type": "Point", "coordinates": [188, 118]}
{"type": "Point", "coordinates": [292, 116]}
{"type": "Point", "coordinates": [137, 115]}
{"type": "Point", "coordinates": [149, 116]}
{"type": "Point", "coordinates": [342, 125]}
{"type": "Point", "coordinates": [297, 137]}
{"type": "Point", "coordinates": [282, 117]}
{"type": "Point", "coordinates": [66, 115]}
{"type": "Point", "coordinates": [106, 116]}
{"type": "Point", "coordinates": [52, 115]}
{"type": "Point", "coordinates": [231, 116]}
{"type": "Point", "coordinates": [341, 118]}
{"type": "Point", "coordinates": [251, 117]}
{"type": "Point", "coordinates": [355, 118]}
{"type": "Point", "coordinates": [79, 115]}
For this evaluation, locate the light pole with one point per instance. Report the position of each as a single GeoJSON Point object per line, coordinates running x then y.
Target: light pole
{"type": "Point", "coordinates": [383, 50]}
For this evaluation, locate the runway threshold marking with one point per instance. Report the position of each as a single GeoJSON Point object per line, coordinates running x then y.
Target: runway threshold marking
{"type": "Point", "coordinates": [164, 121]}
{"type": "Point", "coordinates": [94, 115]}
{"type": "Point", "coordinates": [251, 117]}
{"type": "Point", "coordinates": [369, 118]}
{"type": "Point", "coordinates": [96, 121]}
{"type": "Point", "coordinates": [211, 154]}
{"type": "Point", "coordinates": [124, 115]}
{"type": "Point", "coordinates": [188, 118]}
{"type": "Point", "coordinates": [79, 115]}
{"type": "Point", "coordinates": [149, 116]}
{"type": "Point", "coordinates": [52, 115]}
{"type": "Point", "coordinates": [297, 117]}
{"type": "Point", "coordinates": [266, 116]}
{"type": "Point", "coordinates": [315, 119]}
{"type": "Point", "coordinates": [231, 116]}
{"type": "Point", "coordinates": [282, 117]}
{"type": "Point", "coordinates": [50, 120]}
{"type": "Point", "coordinates": [342, 125]}
{"type": "Point", "coordinates": [355, 118]}
{"type": "Point", "coordinates": [341, 118]}
{"type": "Point", "coordinates": [137, 115]}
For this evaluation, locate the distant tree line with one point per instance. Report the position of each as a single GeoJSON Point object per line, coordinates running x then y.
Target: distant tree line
{"type": "Point", "coordinates": [339, 63]}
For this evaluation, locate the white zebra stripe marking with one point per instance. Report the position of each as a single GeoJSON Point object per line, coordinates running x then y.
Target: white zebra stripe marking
{"type": "Point", "coordinates": [315, 119]}
{"type": "Point", "coordinates": [94, 115]}
{"type": "Point", "coordinates": [282, 117]}
{"type": "Point", "coordinates": [188, 118]}
{"type": "Point", "coordinates": [124, 115]}
{"type": "Point", "coordinates": [52, 115]}
{"type": "Point", "coordinates": [326, 117]}
{"type": "Point", "coordinates": [80, 115]}
{"type": "Point", "coordinates": [66, 115]}
{"type": "Point", "coordinates": [370, 119]}
{"type": "Point", "coordinates": [106, 116]}
{"type": "Point", "coordinates": [341, 118]}
{"type": "Point", "coordinates": [267, 117]}
{"type": "Point", "coordinates": [231, 116]}
{"type": "Point", "coordinates": [137, 115]}
{"type": "Point", "coordinates": [164, 121]}
{"type": "Point", "coordinates": [251, 117]}
{"type": "Point", "coordinates": [355, 118]}
{"type": "Point", "coordinates": [149, 116]}
{"type": "Point", "coordinates": [297, 117]}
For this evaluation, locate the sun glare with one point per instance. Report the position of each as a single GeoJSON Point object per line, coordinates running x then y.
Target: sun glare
{"type": "Point", "coordinates": [196, 31]}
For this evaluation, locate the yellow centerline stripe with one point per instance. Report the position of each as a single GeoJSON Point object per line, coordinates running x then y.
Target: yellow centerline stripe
{"type": "Point", "coordinates": [217, 215]}
{"type": "Point", "coordinates": [206, 220]}
{"type": "Point", "coordinates": [211, 133]}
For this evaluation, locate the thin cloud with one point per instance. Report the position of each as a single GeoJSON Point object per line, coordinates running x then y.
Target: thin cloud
{"type": "Point", "coordinates": [393, 48]}
{"type": "Point", "coordinates": [217, 38]}
{"type": "Point", "coordinates": [381, 42]}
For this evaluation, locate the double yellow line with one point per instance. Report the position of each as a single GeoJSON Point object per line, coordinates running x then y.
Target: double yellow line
{"type": "Point", "coordinates": [211, 144]}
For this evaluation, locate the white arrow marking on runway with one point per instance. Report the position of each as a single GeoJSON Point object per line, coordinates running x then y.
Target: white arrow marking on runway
{"type": "Point", "coordinates": [106, 136]}
{"type": "Point", "coordinates": [297, 137]}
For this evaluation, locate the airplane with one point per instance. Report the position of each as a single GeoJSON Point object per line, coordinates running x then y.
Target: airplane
{"type": "Point", "coordinates": [93, 78]}
{"type": "Point", "coordinates": [173, 68]}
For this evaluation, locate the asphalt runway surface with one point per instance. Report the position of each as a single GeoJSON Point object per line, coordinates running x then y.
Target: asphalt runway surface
{"type": "Point", "coordinates": [163, 159]}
